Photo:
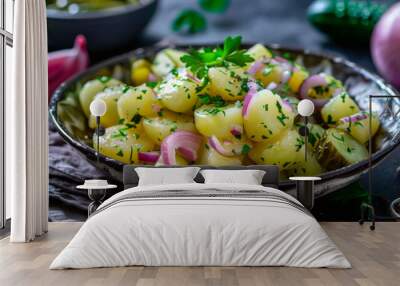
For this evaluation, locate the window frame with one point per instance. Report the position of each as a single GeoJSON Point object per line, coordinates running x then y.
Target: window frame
{"type": "Point", "coordinates": [6, 39]}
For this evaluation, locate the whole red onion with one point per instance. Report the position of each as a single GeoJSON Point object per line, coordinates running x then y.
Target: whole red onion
{"type": "Point", "coordinates": [385, 45]}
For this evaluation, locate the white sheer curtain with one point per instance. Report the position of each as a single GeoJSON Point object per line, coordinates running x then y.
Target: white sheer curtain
{"type": "Point", "coordinates": [27, 125]}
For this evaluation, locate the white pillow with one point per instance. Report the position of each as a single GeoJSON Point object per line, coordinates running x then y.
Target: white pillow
{"type": "Point", "coordinates": [248, 177]}
{"type": "Point", "coordinates": [166, 176]}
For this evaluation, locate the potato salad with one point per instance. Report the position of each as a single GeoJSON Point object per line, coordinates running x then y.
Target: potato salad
{"type": "Point", "coordinates": [227, 106]}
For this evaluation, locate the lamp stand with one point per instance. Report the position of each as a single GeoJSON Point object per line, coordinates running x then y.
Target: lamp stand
{"type": "Point", "coordinates": [303, 131]}
{"type": "Point", "coordinates": [98, 138]}
{"type": "Point", "coordinates": [367, 209]}
{"type": "Point", "coordinates": [305, 136]}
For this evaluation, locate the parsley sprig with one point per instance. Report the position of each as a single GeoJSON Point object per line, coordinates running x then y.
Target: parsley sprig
{"type": "Point", "coordinates": [199, 61]}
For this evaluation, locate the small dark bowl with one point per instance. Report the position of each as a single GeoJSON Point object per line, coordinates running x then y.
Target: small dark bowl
{"type": "Point", "coordinates": [105, 30]}
{"type": "Point", "coordinates": [359, 82]}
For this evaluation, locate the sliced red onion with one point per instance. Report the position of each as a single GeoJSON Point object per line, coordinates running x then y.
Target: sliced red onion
{"type": "Point", "coordinates": [255, 67]}
{"type": "Point", "coordinates": [148, 157]}
{"type": "Point", "coordinates": [337, 91]}
{"type": "Point", "coordinates": [152, 77]}
{"type": "Point", "coordinates": [177, 140]}
{"type": "Point", "coordinates": [287, 105]}
{"type": "Point", "coordinates": [156, 107]}
{"type": "Point", "coordinates": [280, 60]}
{"type": "Point", "coordinates": [237, 130]}
{"type": "Point", "coordinates": [354, 118]}
{"type": "Point", "coordinates": [285, 76]}
{"type": "Point", "coordinates": [192, 77]}
{"type": "Point", "coordinates": [217, 146]}
{"type": "Point", "coordinates": [272, 86]}
{"type": "Point", "coordinates": [249, 96]}
{"type": "Point", "coordinates": [188, 153]}
{"type": "Point", "coordinates": [310, 82]}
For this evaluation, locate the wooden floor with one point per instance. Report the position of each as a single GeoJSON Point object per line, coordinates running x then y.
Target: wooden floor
{"type": "Point", "coordinates": [375, 257]}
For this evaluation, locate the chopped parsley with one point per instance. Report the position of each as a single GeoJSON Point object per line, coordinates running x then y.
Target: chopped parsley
{"type": "Point", "coordinates": [104, 79]}
{"type": "Point", "coordinates": [343, 97]}
{"type": "Point", "coordinates": [125, 88]}
{"type": "Point", "coordinates": [136, 118]}
{"type": "Point", "coordinates": [245, 149]}
{"type": "Point", "coordinates": [330, 120]}
{"type": "Point", "coordinates": [282, 116]}
{"type": "Point", "coordinates": [339, 138]}
{"type": "Point", "coordinates": [299, 143]}
{"type": "Point", "coordinates": [208, 99]}
{"type": "Point", "coordinates": [151, 84]}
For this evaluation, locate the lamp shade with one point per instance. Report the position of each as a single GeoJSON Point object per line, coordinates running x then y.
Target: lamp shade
{"type": "Point", "coordinates": [305, 107]}
{"type": "Point", "coordinates": [98, 107]}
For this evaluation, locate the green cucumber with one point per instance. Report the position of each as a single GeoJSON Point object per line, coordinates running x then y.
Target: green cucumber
{"type": "Point", "coordinates": [346, 21]}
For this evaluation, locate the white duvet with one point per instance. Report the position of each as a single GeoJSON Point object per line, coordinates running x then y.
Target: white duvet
{"type": "Point", "coordinates": [201, 231]}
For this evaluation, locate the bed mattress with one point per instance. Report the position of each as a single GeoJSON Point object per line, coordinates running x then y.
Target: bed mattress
{"type": "Point", "coordinates": [201, 225]}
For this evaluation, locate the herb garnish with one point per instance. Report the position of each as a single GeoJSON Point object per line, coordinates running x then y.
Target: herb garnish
{"type": "Point", "coordinates": [151, 84]}
{"type": "Point", "coordinates": [136, 118]}
{"type": "Point", "coordinates": [245, 149]}
{"type": "Point", "coordinates": [330, 120]}
{"type": "Point", "coordinates": [199, 61]}
{"type": "Point", "coordinates": [208, 99]}
{"type": "Point", "coordinates": [299, 144]}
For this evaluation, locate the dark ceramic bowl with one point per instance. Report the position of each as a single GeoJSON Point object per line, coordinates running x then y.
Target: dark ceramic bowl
{"type": "Point", "coordinates": [105, 30]}
{"type": "Point", "coordinates": [359, 82]}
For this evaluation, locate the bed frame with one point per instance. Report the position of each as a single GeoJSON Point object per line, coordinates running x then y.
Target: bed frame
{"type": "Point", "coordinates": [271, 177]}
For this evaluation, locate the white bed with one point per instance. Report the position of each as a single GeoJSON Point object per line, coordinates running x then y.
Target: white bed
{"type": "Point", "coordinates": [201, 224]}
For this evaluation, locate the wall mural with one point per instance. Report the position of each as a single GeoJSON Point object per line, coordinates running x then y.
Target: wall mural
{"type": "Point", "coordinates": [231, 104]}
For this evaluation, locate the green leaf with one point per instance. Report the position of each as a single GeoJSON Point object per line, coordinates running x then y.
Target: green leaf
{"type": "Point", "coordinates": [189, 21]}
{"type": "Point", "coordinates": [239, 58]}
{"type": "Point", "coordinates": [231, 44]}
{"type": "Point", "coordinates": [199, 61]}
{"type": "Point", "coordinates": [214, 6]}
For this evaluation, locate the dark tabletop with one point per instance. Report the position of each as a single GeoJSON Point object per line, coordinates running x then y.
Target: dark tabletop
{"type": "Point", "coordinates": [283, 22]}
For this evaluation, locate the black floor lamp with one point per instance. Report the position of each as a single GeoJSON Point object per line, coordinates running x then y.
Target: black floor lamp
{"type": "Point", "coordinates": [367, 209]}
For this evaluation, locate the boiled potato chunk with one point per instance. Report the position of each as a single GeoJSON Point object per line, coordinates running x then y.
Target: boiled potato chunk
{"type": "Point", "coordinates": [293, 101]}
{"type": "Point", "coordinates": [140, 72]}
{"type": "Point", "coordinates": [357, 126]}
{"type": "Point", "coordinates": [267, 116]}
{"type": "Point", "coordinates": [178, 159]}
{"type": "Point", "coordinates": [258, 51]}
{"type": "Point", "coordinates": [315, 133]}
{"type": "Point", "coordinates": [175, 56]}
{"type": "Point", "coordinates": [226, 83]}
{"type": "Point", "coordinates": [208, 156]}
{"type": "Point", "coordinates": [123, 143]}
{"type": "Point", "coordinates": [270, 73]}
{"type": "Point", "coordinates": [340, 106]}
{"type": "Point", "coordinates": [93, 87]}
{"type": "Point", "coordinates": [157, 128]}
{"type": "Point", "coordinates": [166, 60]}
{"type": "Point", "coordinates": [162, 64]}
{"type": "Point", "coordinates": [299, 75]}
{"type": "Point", "coordinates": [326, 91]}
{"type": "Point", "coordinates": [218, 121]}
{"type": "Point", "coordinates": [339, 149]}
{"type": "Point", "coordinates": [178, 94]}
{"type": "Point", "coordinates": [285, 151]}
{"type": "Point", "coordinates": [110, 96]}
{"type": "Point", "coordinates": [138, 100]}
{"type": "Point", "coordinates": [311, 167]}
